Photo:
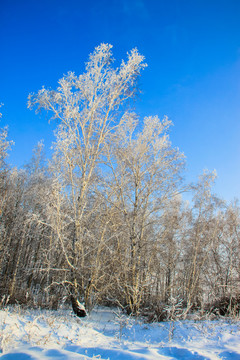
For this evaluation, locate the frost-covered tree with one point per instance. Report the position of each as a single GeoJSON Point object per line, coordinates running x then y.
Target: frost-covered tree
{"type": "Point", "coordinates": [89, 108]}
{"type": "Point", "coordinates": [5, 146]}
{"type": "Point", "coordinates": [144, 173]}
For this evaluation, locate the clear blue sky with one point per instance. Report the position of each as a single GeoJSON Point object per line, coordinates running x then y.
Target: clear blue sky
{"type": "Point", "coordinates": [192, 49]}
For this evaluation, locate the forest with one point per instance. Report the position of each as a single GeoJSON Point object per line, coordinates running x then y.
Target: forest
{"type": "Point", "coordinates": [104, 220]}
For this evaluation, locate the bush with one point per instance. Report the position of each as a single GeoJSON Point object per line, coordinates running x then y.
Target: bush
{"type": "Point", "coordinates": [225, 306]}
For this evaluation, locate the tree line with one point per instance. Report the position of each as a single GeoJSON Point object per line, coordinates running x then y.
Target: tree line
{"type": "Point", "coordinates": [104, 220]}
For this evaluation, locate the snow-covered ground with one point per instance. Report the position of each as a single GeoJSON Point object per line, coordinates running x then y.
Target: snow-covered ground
{"type": "Point", "coordinates": [107, 334]}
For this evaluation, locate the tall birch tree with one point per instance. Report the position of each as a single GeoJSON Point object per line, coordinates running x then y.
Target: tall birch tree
{"type": "Point", "coordinates": [89, 108]}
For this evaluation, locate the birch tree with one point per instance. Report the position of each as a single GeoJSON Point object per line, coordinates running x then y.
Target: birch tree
{"type": "Point", "coordinates": [145, 172]}
{"type": "Point", "coordinates": [201, 238]}
{"type": "Point", "coordinates": [88, 108]}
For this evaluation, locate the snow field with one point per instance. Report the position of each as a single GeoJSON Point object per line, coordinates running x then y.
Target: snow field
{"type": "Point", "coordinates": [108, 334]}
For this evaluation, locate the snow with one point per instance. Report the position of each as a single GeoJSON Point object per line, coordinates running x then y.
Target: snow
{"type": "Point", "coordinates": [108, 334]}
{"type": "Point", "coordinates": [81, 306]}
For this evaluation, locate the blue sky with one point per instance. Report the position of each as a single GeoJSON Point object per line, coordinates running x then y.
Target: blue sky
{"type": "Point", "coordinates": [193, 53]}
